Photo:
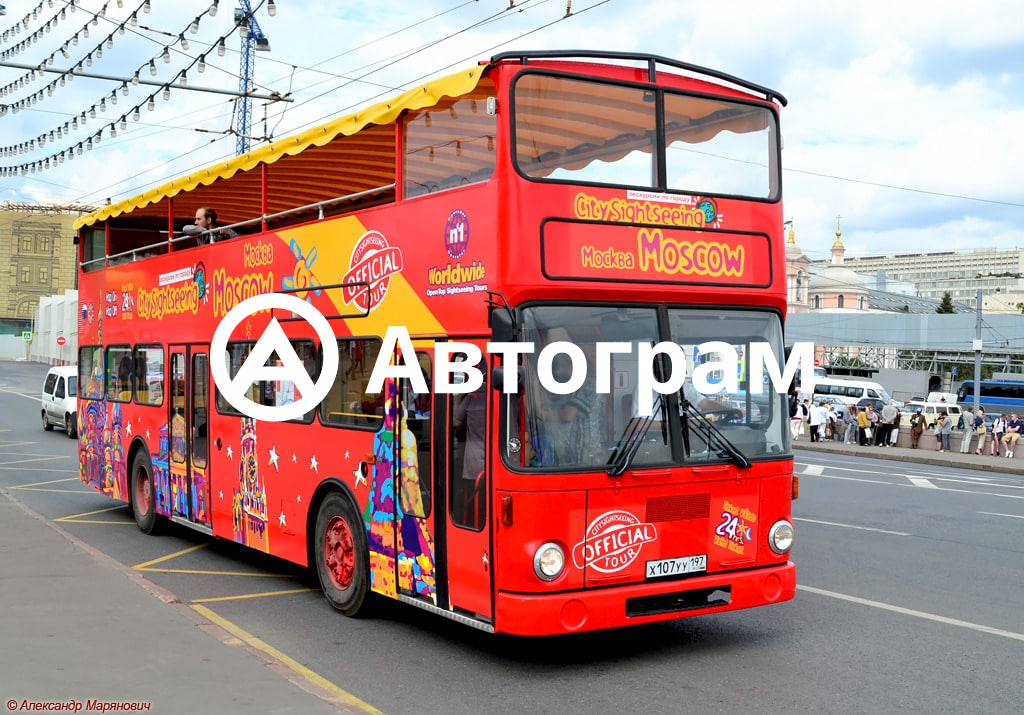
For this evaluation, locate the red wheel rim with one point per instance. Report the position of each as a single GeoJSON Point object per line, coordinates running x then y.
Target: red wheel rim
{"type": "Point", "coordinates": [339, 552]}
{"type": "Point", "coordinates": [143, 491]}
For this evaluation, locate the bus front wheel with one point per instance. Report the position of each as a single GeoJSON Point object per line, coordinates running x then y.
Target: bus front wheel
{"type": "Point", "coordinates": [143, 493]}
{"type": "Point", "coordinates": [342, 562]}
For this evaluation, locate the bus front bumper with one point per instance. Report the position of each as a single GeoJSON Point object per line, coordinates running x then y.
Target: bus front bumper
{"type": "Point", "coordinates": [633, 604]}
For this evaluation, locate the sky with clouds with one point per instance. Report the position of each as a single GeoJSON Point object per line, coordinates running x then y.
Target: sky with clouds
{"type": "Point", "coordinates": [904, 117]}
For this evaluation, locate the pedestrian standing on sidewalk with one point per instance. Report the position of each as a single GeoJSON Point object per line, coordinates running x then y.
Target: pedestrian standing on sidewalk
{"type": "Point", "coordinates": [969, 430]}
{"type": "Point", "coordinates": [851, 424]}
{"type": "Point", "coordinates": [998, 430]}
{"type": "Point", "coordinates": [885, 425]}
{"type": "Point", "coordinates": [916, 428]}
{"type": "Point", "coordinates": [981, 430]}
{"type": "Point", "coordinates": [894, 434]}
{"type": "Point", "coordinates": [946, 431]}
{"type": "Point", "coordinates": [863, 425]}
{"type": "Point", "coordinates": [816, 422]}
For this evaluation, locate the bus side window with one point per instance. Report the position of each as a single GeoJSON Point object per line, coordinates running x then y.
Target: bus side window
{"type": "Point", "coordinates": [119, 373]}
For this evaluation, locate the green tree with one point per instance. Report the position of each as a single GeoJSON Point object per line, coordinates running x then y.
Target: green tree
{"type": "Point", "coordinates": [946, 306]}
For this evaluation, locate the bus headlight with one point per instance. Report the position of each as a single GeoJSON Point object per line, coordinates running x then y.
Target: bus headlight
{"type": "Point", "coordinates": [549, 562]}
{"type": "Point", "coordinates": [780, 537]}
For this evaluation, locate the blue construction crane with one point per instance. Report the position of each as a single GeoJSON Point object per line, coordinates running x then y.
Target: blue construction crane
{"type": "Point", "coordinates": [252, 39]}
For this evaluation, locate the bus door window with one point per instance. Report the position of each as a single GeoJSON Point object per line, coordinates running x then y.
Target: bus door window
{"type": "Point", "coordinates": [200, 370]}
{"type": "Point", "coordinates": [414, 443]}
{"type": "Point", "coordinates": [181, 496]}
{"type": "Point", "coordinates": [177, 408]}
{"type": "Point", "coordinates": [468, 447]}
{"type": "Point", "coordinates": [348, 404]}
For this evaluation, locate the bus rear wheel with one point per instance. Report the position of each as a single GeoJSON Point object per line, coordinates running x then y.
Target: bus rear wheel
{"type": "Point", "coordinates": [143, 494]}
{"type": "Point", "coordinates": [342, 561]}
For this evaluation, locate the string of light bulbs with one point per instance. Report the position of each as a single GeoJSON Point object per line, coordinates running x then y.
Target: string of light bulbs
{"type": "Point", "coordinates": [101, 104]}
{"type": "Point", "coordinates": [150, 103]}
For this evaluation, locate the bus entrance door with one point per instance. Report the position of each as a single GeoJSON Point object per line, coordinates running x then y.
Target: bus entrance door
{"type": "Point", "coordinates": [188, 446]}
{"type": "Point", "coordinates": [467, 554]}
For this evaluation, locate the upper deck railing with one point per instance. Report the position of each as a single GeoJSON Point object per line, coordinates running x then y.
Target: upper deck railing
{"type": "Point", "coordinates": [160, 247]}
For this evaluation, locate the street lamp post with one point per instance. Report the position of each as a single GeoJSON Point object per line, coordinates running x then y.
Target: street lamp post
{"type": "Point", "coordinates": [977, 355]}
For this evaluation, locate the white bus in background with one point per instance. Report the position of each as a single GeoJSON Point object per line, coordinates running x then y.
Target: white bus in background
{"type": "Point", "coordinates": [847, 391]}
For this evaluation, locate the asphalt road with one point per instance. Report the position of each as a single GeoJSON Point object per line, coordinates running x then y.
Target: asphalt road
{"type": "Point", "coordinates": [909, 599]}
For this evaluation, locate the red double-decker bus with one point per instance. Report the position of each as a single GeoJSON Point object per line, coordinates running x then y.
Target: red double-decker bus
{"type": "Point", "coordinates": [539, 198]}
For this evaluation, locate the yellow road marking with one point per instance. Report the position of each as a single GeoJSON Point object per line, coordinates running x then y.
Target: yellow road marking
{"type": "Point", "coordinates": [301, 670]}
{"type": "Point", "coordinates": [75, 517]}
{"type": "Point", "coordinates": [97, 521]}
{"type": "Point", "coordinates": [253, 595]}
{"type": "Point", "coordinates": [201, 572]}
{"type": "Point", "coordinates": [168, 557]}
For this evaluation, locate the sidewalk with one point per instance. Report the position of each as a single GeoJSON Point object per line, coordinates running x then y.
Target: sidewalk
{"type": "Point", "coordinates": [924, 454]}
{"type": "Point", "coordinates": [78, 626]}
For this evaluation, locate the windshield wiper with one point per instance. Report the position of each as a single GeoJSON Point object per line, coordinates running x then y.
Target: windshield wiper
{"type": "Point", "coordinates": [632, 437]}
{"type": "Point", "coordinates": [710, 433]}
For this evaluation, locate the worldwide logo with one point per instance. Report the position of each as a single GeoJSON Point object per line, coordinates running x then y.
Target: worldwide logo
{"type": "Point", "coordinates": [368, 278]}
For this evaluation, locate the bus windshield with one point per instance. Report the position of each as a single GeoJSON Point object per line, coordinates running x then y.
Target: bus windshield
{"type": "Point", "coordinates": [571, 129]}
{"type": "Point", "coordinates": [584, 429]}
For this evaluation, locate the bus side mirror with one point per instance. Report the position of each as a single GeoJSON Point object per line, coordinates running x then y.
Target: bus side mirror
{"type": "Point", "coordinates": [498, 378]}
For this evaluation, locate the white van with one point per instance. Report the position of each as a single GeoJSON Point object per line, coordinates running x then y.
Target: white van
{"type": "Point", "coordinates": [849, 390]}
{"type": "Point", "coordinates": [931, 412]}
{"type": "Point", "coordinates": [60, 399]}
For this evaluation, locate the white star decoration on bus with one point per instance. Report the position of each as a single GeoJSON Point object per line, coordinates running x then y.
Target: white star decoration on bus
{"type": "Point", "coordinates": [231, 452]}
{"type": "Point", "coordinates": [295, 460]}
{"type": "Point", "coordinates": [346, 454]}
{"type": "Point", "coordinates": [313, 464]}
{"type": "Point", "coordinates": [222, 495]}
{"type": "Point", "coordinates": [280, 519]}
{"type": "Point", "coordinates": [274, 457]}
{"type": "Point", "coordinates": [128, 428]}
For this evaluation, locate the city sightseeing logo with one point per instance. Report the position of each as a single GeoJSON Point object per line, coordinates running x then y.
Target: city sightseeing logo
{"type": "Point", "coordinates": [613, 542]}
{"type": "Point", "coordinates": [710, 377]}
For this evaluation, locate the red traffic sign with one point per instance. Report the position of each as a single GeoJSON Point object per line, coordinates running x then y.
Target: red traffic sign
{"type": "Point", "coordinates": [61, 340]}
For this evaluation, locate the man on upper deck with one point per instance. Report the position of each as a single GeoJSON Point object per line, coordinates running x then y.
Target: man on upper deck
{"type": "Point", "coordinates": [205, 227]}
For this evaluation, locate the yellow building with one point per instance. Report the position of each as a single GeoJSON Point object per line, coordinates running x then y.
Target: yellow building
{"type": "Point", "coordinates": [37, 253]}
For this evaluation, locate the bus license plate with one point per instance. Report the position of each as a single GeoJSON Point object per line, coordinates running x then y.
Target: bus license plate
{"type": "Point", "coordinates": [677, 566]}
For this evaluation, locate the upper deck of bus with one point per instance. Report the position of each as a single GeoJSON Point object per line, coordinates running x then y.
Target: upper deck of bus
{"type": "Point", "coordinates": [567, 175]}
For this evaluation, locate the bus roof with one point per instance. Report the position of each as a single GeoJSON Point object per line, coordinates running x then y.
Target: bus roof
{"type": "Point", "coordinates": [385, 112]}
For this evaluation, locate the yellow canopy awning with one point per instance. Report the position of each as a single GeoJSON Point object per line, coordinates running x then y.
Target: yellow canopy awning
{"type": "Point", "coordinates": [375, 159]}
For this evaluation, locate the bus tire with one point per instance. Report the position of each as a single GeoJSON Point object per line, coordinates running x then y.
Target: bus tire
{"type": "Point", "coordinates": [143, 493]}
{"type": "Point", "coordinates": [342, 559]}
